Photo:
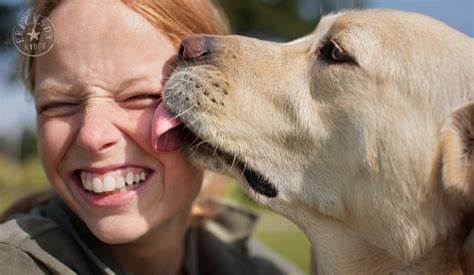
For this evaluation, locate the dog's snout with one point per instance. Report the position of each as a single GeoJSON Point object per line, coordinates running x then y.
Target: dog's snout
{"type": "Point", "coordinates": [195, 47]}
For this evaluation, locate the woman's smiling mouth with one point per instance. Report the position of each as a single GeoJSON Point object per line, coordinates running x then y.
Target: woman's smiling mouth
{"type": "Point", "coordinates": [116, 180]}
{"type": "Point", "coordinates": [112, 188]}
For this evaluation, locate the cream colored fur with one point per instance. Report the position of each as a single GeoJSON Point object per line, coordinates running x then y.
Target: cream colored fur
{"type": "Point", "coordinates": [364, 155]}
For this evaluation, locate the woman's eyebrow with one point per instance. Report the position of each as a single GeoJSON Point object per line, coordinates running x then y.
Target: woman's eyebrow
{"type": "Point", "coordinates": [51, 93]}
{"type": "Point", "coordinates": [53, 89]}
{"type": "Point", "coordinates": [137, 83]}
{"type": "Point", "coordinates": [132, 81]}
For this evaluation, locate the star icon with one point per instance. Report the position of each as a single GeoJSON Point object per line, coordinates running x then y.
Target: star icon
{"type": "Point", "coordinates": [33, 34]}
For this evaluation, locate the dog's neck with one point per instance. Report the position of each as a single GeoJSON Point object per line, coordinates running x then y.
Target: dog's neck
{"type": "Point", "coordinates": [336, 250]}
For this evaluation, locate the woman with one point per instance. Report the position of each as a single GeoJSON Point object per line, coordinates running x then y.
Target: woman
{"type": "Point", "coordinates": [124, 207]}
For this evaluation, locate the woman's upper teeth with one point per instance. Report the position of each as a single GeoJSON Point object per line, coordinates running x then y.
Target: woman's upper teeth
{"type": "Point", "coordinates": [112, 180]}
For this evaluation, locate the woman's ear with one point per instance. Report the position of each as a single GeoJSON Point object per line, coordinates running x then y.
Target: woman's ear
{"type": "Point", "coordinates": [457, 154]}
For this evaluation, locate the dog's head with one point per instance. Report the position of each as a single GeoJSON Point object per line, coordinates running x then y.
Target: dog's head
{"type": "Point", "coordinates": [345, 124]}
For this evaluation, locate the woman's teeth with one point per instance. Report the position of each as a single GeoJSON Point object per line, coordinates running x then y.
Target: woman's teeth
{"type": "Point", "coordinates": [115, 180]}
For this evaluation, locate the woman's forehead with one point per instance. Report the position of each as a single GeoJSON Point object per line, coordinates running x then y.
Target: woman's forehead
{"type": "Point", "coordinates": [102, 43]}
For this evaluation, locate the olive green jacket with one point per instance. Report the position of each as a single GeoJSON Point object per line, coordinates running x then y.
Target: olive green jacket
{"type": "Point", "coordinates": [51, 239]}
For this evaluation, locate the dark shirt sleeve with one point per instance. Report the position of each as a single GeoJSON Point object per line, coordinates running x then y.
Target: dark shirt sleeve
{"type": "Point", "coordinates": [15, 261]}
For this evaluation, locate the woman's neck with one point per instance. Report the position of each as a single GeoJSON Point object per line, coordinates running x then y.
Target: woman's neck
{"type": "Point", "coordinates": [160, 251]}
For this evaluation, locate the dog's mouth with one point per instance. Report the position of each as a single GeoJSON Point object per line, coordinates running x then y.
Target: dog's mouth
{"type": "Point", "coordinates": [193, 144]}
{"type": "Point", "coordinates": [197, 146]}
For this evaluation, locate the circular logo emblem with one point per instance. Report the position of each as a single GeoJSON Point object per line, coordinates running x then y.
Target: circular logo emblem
{"type": "Point", "coordinates": [33, 35]}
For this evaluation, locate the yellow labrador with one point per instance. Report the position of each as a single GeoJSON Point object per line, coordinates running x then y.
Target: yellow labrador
{"type": "Point", "coordinates": [362, 133]}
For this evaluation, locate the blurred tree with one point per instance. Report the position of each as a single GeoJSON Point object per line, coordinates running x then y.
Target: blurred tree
{"type": "Point", "coordinates": [8, 15]}
{"type": "Point", "coordinates": [280, 20]}
{"type": "Point", "coordinates": [28, 145]}
{"type": "Point", "coordinates": [8, 148]}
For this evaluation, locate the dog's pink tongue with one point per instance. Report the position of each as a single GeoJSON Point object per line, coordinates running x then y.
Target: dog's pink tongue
{"type": "Point", "coordinates": [165, 135]}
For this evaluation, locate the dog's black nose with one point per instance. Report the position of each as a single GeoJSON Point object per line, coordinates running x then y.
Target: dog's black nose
{"type": "Point", "coordinates": [195, 47]}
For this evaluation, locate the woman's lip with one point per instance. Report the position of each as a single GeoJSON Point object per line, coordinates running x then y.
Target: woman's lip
{"type": "Point", "coordinates": [109, 168]}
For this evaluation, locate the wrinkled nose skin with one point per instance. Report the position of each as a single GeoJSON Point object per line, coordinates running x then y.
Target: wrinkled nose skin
{"type": "Point", "coordinates": [195, 47]}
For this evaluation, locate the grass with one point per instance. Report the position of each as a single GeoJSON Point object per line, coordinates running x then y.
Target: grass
{"type": "Point", "coordinates": [18, 180]}
{"type": "Point", "coordinates": [285, 238]}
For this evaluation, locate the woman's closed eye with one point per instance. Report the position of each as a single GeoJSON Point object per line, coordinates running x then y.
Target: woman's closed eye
{"type": "Point", "coordinates": [58, 108]}
{"type": "Point", "coordinates": [144, 100]}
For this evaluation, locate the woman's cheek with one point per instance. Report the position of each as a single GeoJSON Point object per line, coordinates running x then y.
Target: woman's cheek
{"type": "Point", "coordinates": [138, 124]}
{"type": "Point", "coordinates": [54, 138]}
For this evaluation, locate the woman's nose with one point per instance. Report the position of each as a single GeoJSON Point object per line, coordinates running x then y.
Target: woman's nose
{"type": "Point", "coordinates": [98, 132]}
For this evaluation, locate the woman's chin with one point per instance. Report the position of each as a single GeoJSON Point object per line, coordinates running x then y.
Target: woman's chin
{"type": "Point", "coordinates": [118, 229]}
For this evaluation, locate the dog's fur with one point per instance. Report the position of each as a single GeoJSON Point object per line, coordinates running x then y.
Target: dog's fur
{"type": "Point", "coordinates": [372, 157]}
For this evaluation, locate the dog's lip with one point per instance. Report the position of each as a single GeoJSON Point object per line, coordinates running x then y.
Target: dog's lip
{"type": "Point", "coordinates": [257, 182]}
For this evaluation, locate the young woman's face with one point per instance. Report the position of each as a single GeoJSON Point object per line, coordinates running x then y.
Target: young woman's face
{"type": "Point", "coordinates": [96, 93]}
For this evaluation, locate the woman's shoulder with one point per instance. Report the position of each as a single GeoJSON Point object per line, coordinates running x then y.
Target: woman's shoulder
{"type": "Point", "coordinates": [21, 228]}
{"type": "Point", "coordinates": [21, 250]}
{"type": "Point", "coordinates": [14, 260]}
{"type": "Point", "coordinates": [224, 244]}
{"type": "Point", "coordinates": [36, 243]}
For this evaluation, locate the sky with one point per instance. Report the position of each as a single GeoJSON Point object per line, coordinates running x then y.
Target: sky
{"type": "Point", "coordinates": [16, 106]}
{"type": "Point", "coordinates": [459, 14]}
{"type": "Point", "coordinates": [17, 109]}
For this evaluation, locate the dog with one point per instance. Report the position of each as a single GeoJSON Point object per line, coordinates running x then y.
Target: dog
{"type": "Point", "coordinates": [362, 133]}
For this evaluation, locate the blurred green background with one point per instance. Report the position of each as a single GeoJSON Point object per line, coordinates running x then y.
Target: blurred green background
{"type": "Point", "coordinates": [277, 20]}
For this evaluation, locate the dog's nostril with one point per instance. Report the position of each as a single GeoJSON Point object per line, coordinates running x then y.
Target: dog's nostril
{"type": "Point", "coordinates": [181, 51]}
{"type": "Point", "coordinates": [194, 47]}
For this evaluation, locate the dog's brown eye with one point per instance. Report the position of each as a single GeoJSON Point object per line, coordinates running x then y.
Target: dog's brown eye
{"type": "Point", "coordinates": [337, 54]}
{"type": "Point", "coordinates": [331, 51]}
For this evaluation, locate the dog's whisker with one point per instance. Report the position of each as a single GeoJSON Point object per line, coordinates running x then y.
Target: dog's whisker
{"type": "Point", "coordinates": [194, 141]}
{"type": "Point", "coordinates": [195, 147]}
{"type": "Point", "coordinates": [185, 111]}
{"type": "Point", "coordinates": [214, 153]}
{"type": "Point", "coordinates": [194, 144]}
{"type": "Point", "coordinates": [243, 170]}
{"type": "Point", "coordinates": [233, 162]}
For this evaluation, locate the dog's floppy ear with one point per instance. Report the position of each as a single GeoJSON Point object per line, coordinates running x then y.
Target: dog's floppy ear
{"type": "Point", "coordinates": [457, 154]}
{"type": "Point", "coordinates": [466, 256]}
{"type": "Point", "coordinates": [457, 171]}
